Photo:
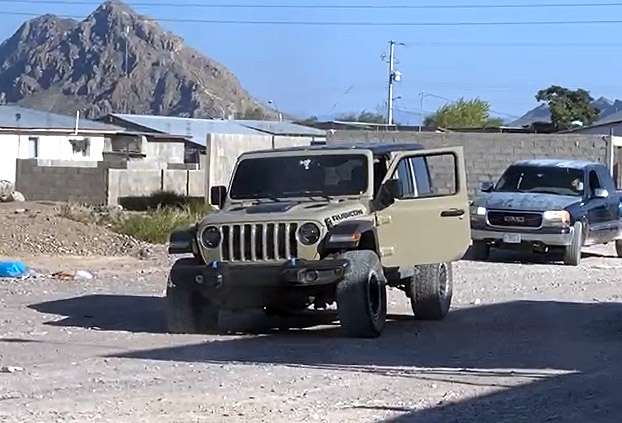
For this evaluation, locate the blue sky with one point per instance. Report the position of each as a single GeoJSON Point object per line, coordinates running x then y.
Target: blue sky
{"type": "Point", "coordinates": [326, 70]}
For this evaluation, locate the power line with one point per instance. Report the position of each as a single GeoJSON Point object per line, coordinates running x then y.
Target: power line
{"type": "Point", "coordinates": [333, 7]}
{"type": "Point", "coordinates": [349, 23]}
{"type": "Point", "coordinates": [511, 44]}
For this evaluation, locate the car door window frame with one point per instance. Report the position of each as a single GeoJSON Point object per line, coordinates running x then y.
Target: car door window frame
{"type": "Point", "coordinates": [413, 155]}
{"type": "Point", "coordinates": [408, 192]}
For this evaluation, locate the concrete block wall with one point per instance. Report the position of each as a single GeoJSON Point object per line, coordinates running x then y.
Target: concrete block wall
{"type": "Point", "coordinates": [101, 183]}
{"type": "Point", "coordinates": [488, 155]}
{"type": "Point", "coordinates": [142, 183]}
{"type": "Point", "coordinates": [83, 184]}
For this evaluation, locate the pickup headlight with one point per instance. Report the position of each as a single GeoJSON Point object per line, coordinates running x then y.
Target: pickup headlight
{"type": "Point", "coordinates": [478, 212]}
{"type": "Point", "coordinates": [557, 218]}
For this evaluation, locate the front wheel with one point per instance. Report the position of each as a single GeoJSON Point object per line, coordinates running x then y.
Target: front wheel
{"type": "Point", "coordinates": [572, 254]}
{"type": "Point", "coordinates": [431, 290]}
{"type": "Point", "coordinates": [188, 311]}
{"type": "Point", "coordinates": [362, 296]}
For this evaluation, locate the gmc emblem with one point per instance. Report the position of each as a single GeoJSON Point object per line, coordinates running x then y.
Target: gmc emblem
{"type": "Point", "coordinates": [514, 219]}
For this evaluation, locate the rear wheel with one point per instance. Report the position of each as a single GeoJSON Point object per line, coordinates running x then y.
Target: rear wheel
{"type": "Point", "coordinates": [362, 296]}
{"type": "Point", "coordinates": [431, 290]}
{"type": "Point", "coordinates": [480, 250]}
{"type": "Point", "coordinates": [188, 311]}
{"type": "Point", "coordinates": [572, 254]}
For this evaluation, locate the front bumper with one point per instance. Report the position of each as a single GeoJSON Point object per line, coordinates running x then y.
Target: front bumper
{"type": "Point", "coordinates": [551, 237]}
{"type": "Point", "coordinates": [242, 285]}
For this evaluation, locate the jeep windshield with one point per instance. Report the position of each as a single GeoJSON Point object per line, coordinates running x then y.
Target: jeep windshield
{"type": "Point", "coordinates": [543, 180]}
{"type": "Point", "coordinates": [301, 176]}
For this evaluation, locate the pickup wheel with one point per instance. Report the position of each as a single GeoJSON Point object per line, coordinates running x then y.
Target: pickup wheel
{"type": "Point", "coordinates": [619, 247]}
{"type": "Point", "coordinates": [431, 290]}
{"type": "Point", "coordinates": [572, 254]}
{"type": "Point", "coordinates": [480, 250]}
{"type": "Point", "coordinates": [362, 296]}
{"type": "Point", "coordinates": [188, 311]}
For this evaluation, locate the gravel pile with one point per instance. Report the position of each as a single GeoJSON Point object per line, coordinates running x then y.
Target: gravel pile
{"type": "Point", "coordinates": [38, 229]}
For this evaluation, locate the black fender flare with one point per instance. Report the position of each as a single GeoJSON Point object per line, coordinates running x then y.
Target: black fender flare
{"type": "Point", "coordinates": [351, 235]}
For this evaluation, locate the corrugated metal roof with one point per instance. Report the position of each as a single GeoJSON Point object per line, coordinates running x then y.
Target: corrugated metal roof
{"type": "Point", "coordinates": [197, 130]}
{"type": "Point", "coordinates": [282, 128]}
{"type": "Point", "coordinates": [23, 118]}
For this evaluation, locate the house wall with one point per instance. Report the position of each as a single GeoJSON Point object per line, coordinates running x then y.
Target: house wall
{"type": "Point", "coordinates": [488, 155]}
{"type": "Point", "coordinates": [165, 151]}
{"type": "Point", "coordinates": [50, 147]}
{"type": "Point", "coordinates": [8, 154]}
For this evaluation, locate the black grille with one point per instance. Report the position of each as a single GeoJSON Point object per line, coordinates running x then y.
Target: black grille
{"type": "Point", "coordinates": [516, 219]}
{"type": "Point", "coordinates": [259, 242]}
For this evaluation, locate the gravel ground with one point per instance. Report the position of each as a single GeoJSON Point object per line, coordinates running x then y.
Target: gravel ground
{"type": "Point", "coordinates": [523, 343]}
{"type": "Point", "coordinates": [36, 228]}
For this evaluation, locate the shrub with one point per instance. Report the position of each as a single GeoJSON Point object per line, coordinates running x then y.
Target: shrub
{"type": "Point", "coordinates": [155, 226]}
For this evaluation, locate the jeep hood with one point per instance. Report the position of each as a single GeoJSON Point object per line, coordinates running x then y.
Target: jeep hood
{"type": "Point", "coordinates": [525, 201]}
{"type": "Point", "coordinates": [295, 211]}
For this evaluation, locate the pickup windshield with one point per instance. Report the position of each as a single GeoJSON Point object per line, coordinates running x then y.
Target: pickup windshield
{"type": "Point", "coordinates": [301, 176]}
{"type": "Point", "coordinates": [544, 180]}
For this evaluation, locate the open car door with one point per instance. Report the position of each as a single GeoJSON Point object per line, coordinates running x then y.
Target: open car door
{"type": "Point", "coordinates": [427, 221]}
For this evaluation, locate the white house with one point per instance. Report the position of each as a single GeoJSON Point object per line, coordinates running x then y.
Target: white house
{"type": "Point", "coordinates": [33, 134]}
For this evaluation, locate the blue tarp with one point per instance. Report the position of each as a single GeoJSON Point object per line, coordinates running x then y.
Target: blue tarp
{"type": "Point", "coordinates": [12, 269]}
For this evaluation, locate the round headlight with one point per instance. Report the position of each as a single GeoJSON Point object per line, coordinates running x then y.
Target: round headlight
{"type": "Point", "coordinates": [309, 234]}
{"type": "Point", "coordinates": [210, 237]}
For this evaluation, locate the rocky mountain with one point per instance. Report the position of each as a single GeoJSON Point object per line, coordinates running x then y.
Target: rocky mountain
{"type": "Point", "coordinates": [542, 113]}
{"type": "Point", "coordinates": [114, 61]}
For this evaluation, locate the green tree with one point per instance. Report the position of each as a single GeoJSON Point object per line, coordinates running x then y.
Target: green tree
{"type": "Point", "coordinates": [463, 113]}
{"type": "Point", "coordinates": [364, 116]}
{"type": "Point", "coordinates": [568, 106]}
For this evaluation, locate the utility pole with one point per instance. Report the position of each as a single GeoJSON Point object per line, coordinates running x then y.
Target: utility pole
{"type": "Point", "coordinates": [394, 76]}
{"type": "Point", "coordinates": [127, 34]}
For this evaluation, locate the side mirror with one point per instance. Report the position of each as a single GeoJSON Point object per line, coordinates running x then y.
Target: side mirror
{"type": "Point", "coordinates": [390, 191]}
{"type": "Point", "coordinates": [218, 195]}
{"type": "Point", "coordinates": [486, 186]}
{"type": "Point", "coordinates": [601, 193]}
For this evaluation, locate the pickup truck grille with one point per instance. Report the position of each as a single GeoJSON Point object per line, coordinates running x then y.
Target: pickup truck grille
{"type": "Point", "coordinates": [259, 242]}
{"type": "Point", "coordinates": [515, 219]}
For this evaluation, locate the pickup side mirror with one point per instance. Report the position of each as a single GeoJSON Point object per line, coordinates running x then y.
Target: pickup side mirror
{"type": "Point", "coordinates": [390, 191]}
{"type": "Point", "coordinates": [601, 193]}
{"type": "Point", "coordinates": [486, 186]}
{"type": "Point", "coordinates": [218, 195]}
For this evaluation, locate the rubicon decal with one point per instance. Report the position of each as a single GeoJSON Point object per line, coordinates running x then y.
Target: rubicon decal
{"type": "Point", "coordinates": [346, 215]}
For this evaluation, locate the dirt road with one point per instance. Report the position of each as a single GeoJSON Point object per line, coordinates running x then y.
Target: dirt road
{"type": "Point", "coordinates": [537, 342]}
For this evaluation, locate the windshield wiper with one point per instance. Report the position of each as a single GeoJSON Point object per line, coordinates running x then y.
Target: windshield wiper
{"type": "Point", "coordinates": [310, 194]}
{"type": "Point", "coordinates": [262, 197]}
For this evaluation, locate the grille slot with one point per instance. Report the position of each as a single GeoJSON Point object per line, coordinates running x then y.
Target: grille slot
{"type": "Point", "coordinates": [515, 219]}
{"type": "Point", "coordinates": [259, 242]}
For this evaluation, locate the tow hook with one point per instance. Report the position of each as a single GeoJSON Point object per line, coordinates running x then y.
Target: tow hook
{"type": "Point", "coordinates": [200, 279]}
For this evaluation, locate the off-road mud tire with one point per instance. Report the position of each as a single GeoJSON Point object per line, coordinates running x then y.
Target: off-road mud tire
{"type": "Point", "coordinates": [362, 296]}
{"type": "Point", "coordinates": [188, 311]}
{"type": "Point", "coordinates": [431, 290]}
{"type": "Point", "coordinates": [572, 253]}
{"type": "Point", "coordinates": [480, 251]}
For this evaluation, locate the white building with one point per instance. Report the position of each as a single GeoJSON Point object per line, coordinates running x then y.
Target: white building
{"type": "Point", "coordinates": [33, 134]}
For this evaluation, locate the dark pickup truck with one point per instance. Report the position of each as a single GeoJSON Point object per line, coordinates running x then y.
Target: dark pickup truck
{"type": "Point", "coordinates": [548, 206]}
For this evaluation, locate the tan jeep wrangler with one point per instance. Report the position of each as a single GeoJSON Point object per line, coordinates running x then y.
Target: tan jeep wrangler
{"type": "Point", "coordinates": [312, 226]}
